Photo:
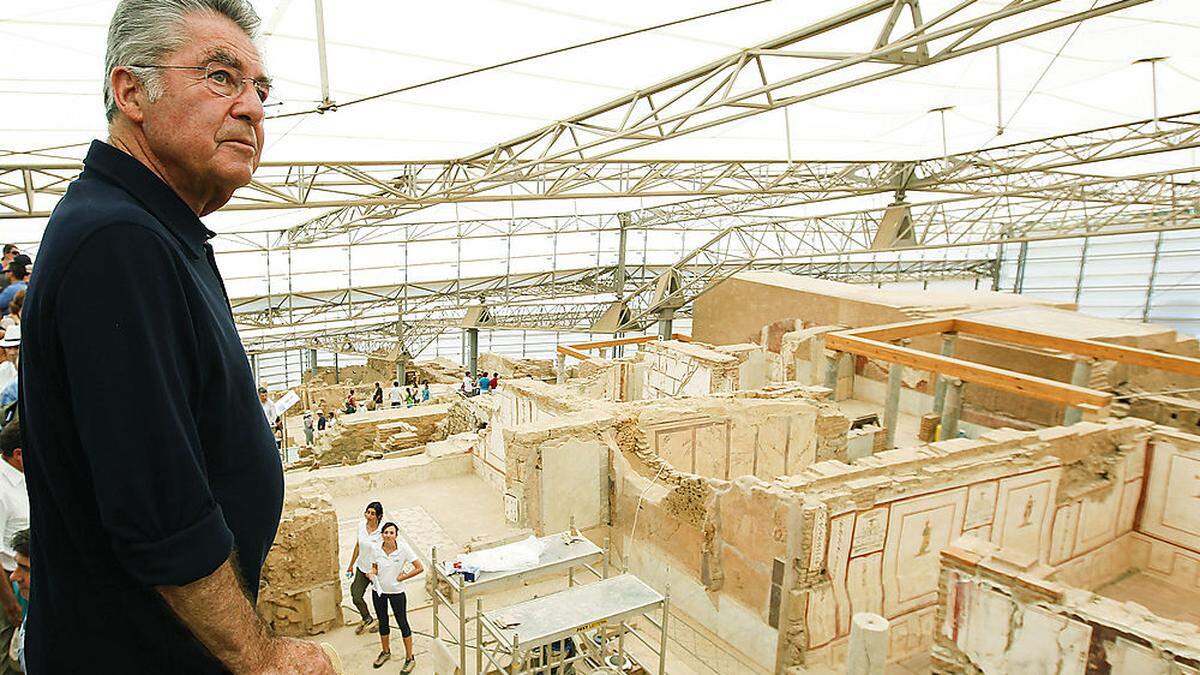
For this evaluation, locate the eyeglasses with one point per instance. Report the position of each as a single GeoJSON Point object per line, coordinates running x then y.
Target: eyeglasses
{"type": "Point", "coordinates": [221, 79]}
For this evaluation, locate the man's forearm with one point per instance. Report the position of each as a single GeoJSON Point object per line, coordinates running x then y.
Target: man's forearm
{"type": "Point", "coordinates": [218, 613]}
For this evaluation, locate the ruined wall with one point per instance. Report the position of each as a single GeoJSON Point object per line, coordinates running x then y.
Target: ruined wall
{"type": "Point", "coordinates": [675, 369]}
{"type": "Point", "coordinates": [874, 530]}
{"type": "Point", "coordinates": [521, 402]}
{"type": "Point", "coordinates": [1170, 516]}
{"type": "Point", "coordinates": [300, 593]}
{"type": "Point", "coordinates": [557, 472]}
{"type": "Point", "coordinates": [731, 437]}
{"type": "Point", "coordinates": [1171, 411]}
{"type": "Point", "coordinates": [995, 618]}
{"type": "Point", "coordinates": [511, 368]}
{"type": "Point", "coordinates": [737, 309]}
{"type": "Point", "coordinates": [369, 434]}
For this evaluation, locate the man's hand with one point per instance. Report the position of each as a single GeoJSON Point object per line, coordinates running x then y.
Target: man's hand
{"type": "Point", "coordinates": [217, 612]}
{"type": "Point", "coordinates": [288, 656]}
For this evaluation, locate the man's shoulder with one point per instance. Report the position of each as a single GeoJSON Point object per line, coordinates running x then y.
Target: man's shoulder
{"type": "Point", "coordinates": [91, 212]}
{"type": "Point", "coordinates": [92, 207]}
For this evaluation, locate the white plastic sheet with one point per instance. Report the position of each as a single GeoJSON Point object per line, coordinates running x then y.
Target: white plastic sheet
{"type": "Point", "coordinates": [508, 557]}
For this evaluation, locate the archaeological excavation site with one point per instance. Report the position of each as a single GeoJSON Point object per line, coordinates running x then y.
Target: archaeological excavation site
{"type": "Point", "coordinates": [686, 337]}
{"type": "Point", "coordinates": [818, 479]}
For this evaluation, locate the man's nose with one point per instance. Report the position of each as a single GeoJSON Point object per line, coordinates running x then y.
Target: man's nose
{"type": "Point", "coordinates": [247, 106]}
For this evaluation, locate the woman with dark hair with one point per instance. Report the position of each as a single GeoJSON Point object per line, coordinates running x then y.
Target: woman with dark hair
{"type": "Point", "coordinates": [393, 563]}
{"type": "Point", "coordinates": [369, 537]}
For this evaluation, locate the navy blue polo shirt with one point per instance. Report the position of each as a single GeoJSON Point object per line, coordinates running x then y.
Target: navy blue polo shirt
{"type": "Point", "coordinates": [147, 456]}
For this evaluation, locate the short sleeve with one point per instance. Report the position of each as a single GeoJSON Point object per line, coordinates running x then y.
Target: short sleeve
{"type": "Point", "coordinates": [131, 360]}
{"type": "Point", "coordinates": [409, 556]}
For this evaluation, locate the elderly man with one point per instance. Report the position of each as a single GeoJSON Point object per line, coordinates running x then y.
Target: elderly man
{"type": "Point", "coordinates": [154, 483]}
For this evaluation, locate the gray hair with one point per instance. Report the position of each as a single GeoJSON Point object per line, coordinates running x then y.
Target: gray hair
{"type": "Point", "coordinates": [143, 31]}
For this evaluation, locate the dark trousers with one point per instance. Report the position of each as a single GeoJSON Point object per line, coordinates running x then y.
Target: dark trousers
{"type": "Point", "coordinates": [398, 602]}
{"type": "Point", "coordinates": [358, 588]}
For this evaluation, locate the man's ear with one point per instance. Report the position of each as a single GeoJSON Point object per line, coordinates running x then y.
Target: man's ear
{"type": "Point", "coordinates": [129, 94]}
{"type": "Point", "coordinates": [17, 454]}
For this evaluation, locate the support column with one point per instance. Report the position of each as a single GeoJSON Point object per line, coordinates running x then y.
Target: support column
{"type": "Point", "coordinates": [560, 370]}
{"type": "Point", "coordinates": [832, 366]}
{"type": "Point", "coordinates": [891, 406]}
{"type": "Point", "coordinates": [868, 648]}
{"type": "Point", "coordinates": [666, 318]}
{"type": "Point", "coordinates": [337, 372]}
{"type": "Point", "coordinates": [473, 352]}
{"type": "Point", "coordinates": [949, 341]}
{"type": "Point", "coordinates": [312, 361]}
{"type": "Point", "coordinates": [816, 360]}
{"type": "Point", "coordinates": [952, 410]}
{"type": "Point", "coordinates": [254, 369]}
{"type": "Point", "coordinates": [1081, 376]}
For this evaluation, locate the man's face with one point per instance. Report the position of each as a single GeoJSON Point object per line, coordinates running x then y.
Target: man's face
{"type": "Point", "coordinates": [21, 575]}
{"type": "Point", "coordinates": [262, 397]}
{"type": "Point", "coordinates": [209, 145]}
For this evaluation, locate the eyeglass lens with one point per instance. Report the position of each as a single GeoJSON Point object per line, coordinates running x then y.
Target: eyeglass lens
{"type": "Point", "coordinates": [228, 81]}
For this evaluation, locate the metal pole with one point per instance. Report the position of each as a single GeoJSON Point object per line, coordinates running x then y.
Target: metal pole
{"type": "Point", "coordinates": [662, 640]}
{"type": "Point", "coordinates": [999, 97]}
{"type": "Point", "coordinates": [1019, 283]}
{"type": "Point", "coordinates": [952, 410]}
{"type": "Point", "coordinates": [1153, 274]}
{"type": "Point", "coordinates": [254, 369]}
{"type": "Point", "coordinates": [604, 561]}
{"type": "Point", "coordinates": [1081, 375]}
{"type": "Point", "coordinates": [337, 373]}
{"type": "Point", "coordinates": [513, 667]}
{"type": "Point", "coordinates": [462, 628]}
{"type": "Point", "coordinates": [472, 352]}
{"type": "Point", "coordinates": [478, 637]}
{"type": "Point", "coordinates": [619, 276]}
{"type": "Point", "coordinates": [312, 360]}
{"type": "Point", "coordinates": [437, 600]}
{"type": "Point", "coordinates": [1083, 251]}
{"type": "Point", "coordinates": [666, 318]}
{"type": "Point", "coordinates": [325, 100]}
{"type": "Point", "coordinates": [949, 340]}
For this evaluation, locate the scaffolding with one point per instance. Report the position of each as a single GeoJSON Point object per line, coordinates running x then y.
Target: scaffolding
{"type": "Point", "coordinates": [563, 552]}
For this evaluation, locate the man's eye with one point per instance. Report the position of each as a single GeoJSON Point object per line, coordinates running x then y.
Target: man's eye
{"type": "Point", "coordinates": [220, 76]}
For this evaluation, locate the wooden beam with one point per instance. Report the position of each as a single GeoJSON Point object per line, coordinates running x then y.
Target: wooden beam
{"type": "Point", "coordinates": [1093, 348]}
{"type": "Point", "coordinates": [602, 344]}
{"type": "Point", "coordinates": [904, 329]}
{"type": "Point", "coordinates": [996, 378]}
{"type": "Point", "coordinates": [568, 351]}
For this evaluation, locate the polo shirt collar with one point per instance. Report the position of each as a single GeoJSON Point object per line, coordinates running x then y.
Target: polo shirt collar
{"type": "Point", "coordinates": [10, 475]}
{"type": "Point", "coordinates": [152, 192]}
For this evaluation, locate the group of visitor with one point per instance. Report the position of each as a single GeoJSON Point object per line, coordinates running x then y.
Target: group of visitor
{"type": "Point", "coordinates": [14, 541]}
{"type": "Point", "coordinates": [395, 396]}
{"type": "Point", "coordinates": [382, 561]}
{"type": "Point", "coordinates": [408, 396]}
{"type": "Point", "coordinates": [472, 386]}
{"type": "Point", "coordinates": [15, 279]}
{"type": "Point", "coordinates": [14, 500]}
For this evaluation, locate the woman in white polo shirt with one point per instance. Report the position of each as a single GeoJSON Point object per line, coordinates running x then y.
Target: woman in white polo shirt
{"type": "Point", "coordinates": [369, 536]}
{"type": "Point", "coordinates": [392, 563]}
